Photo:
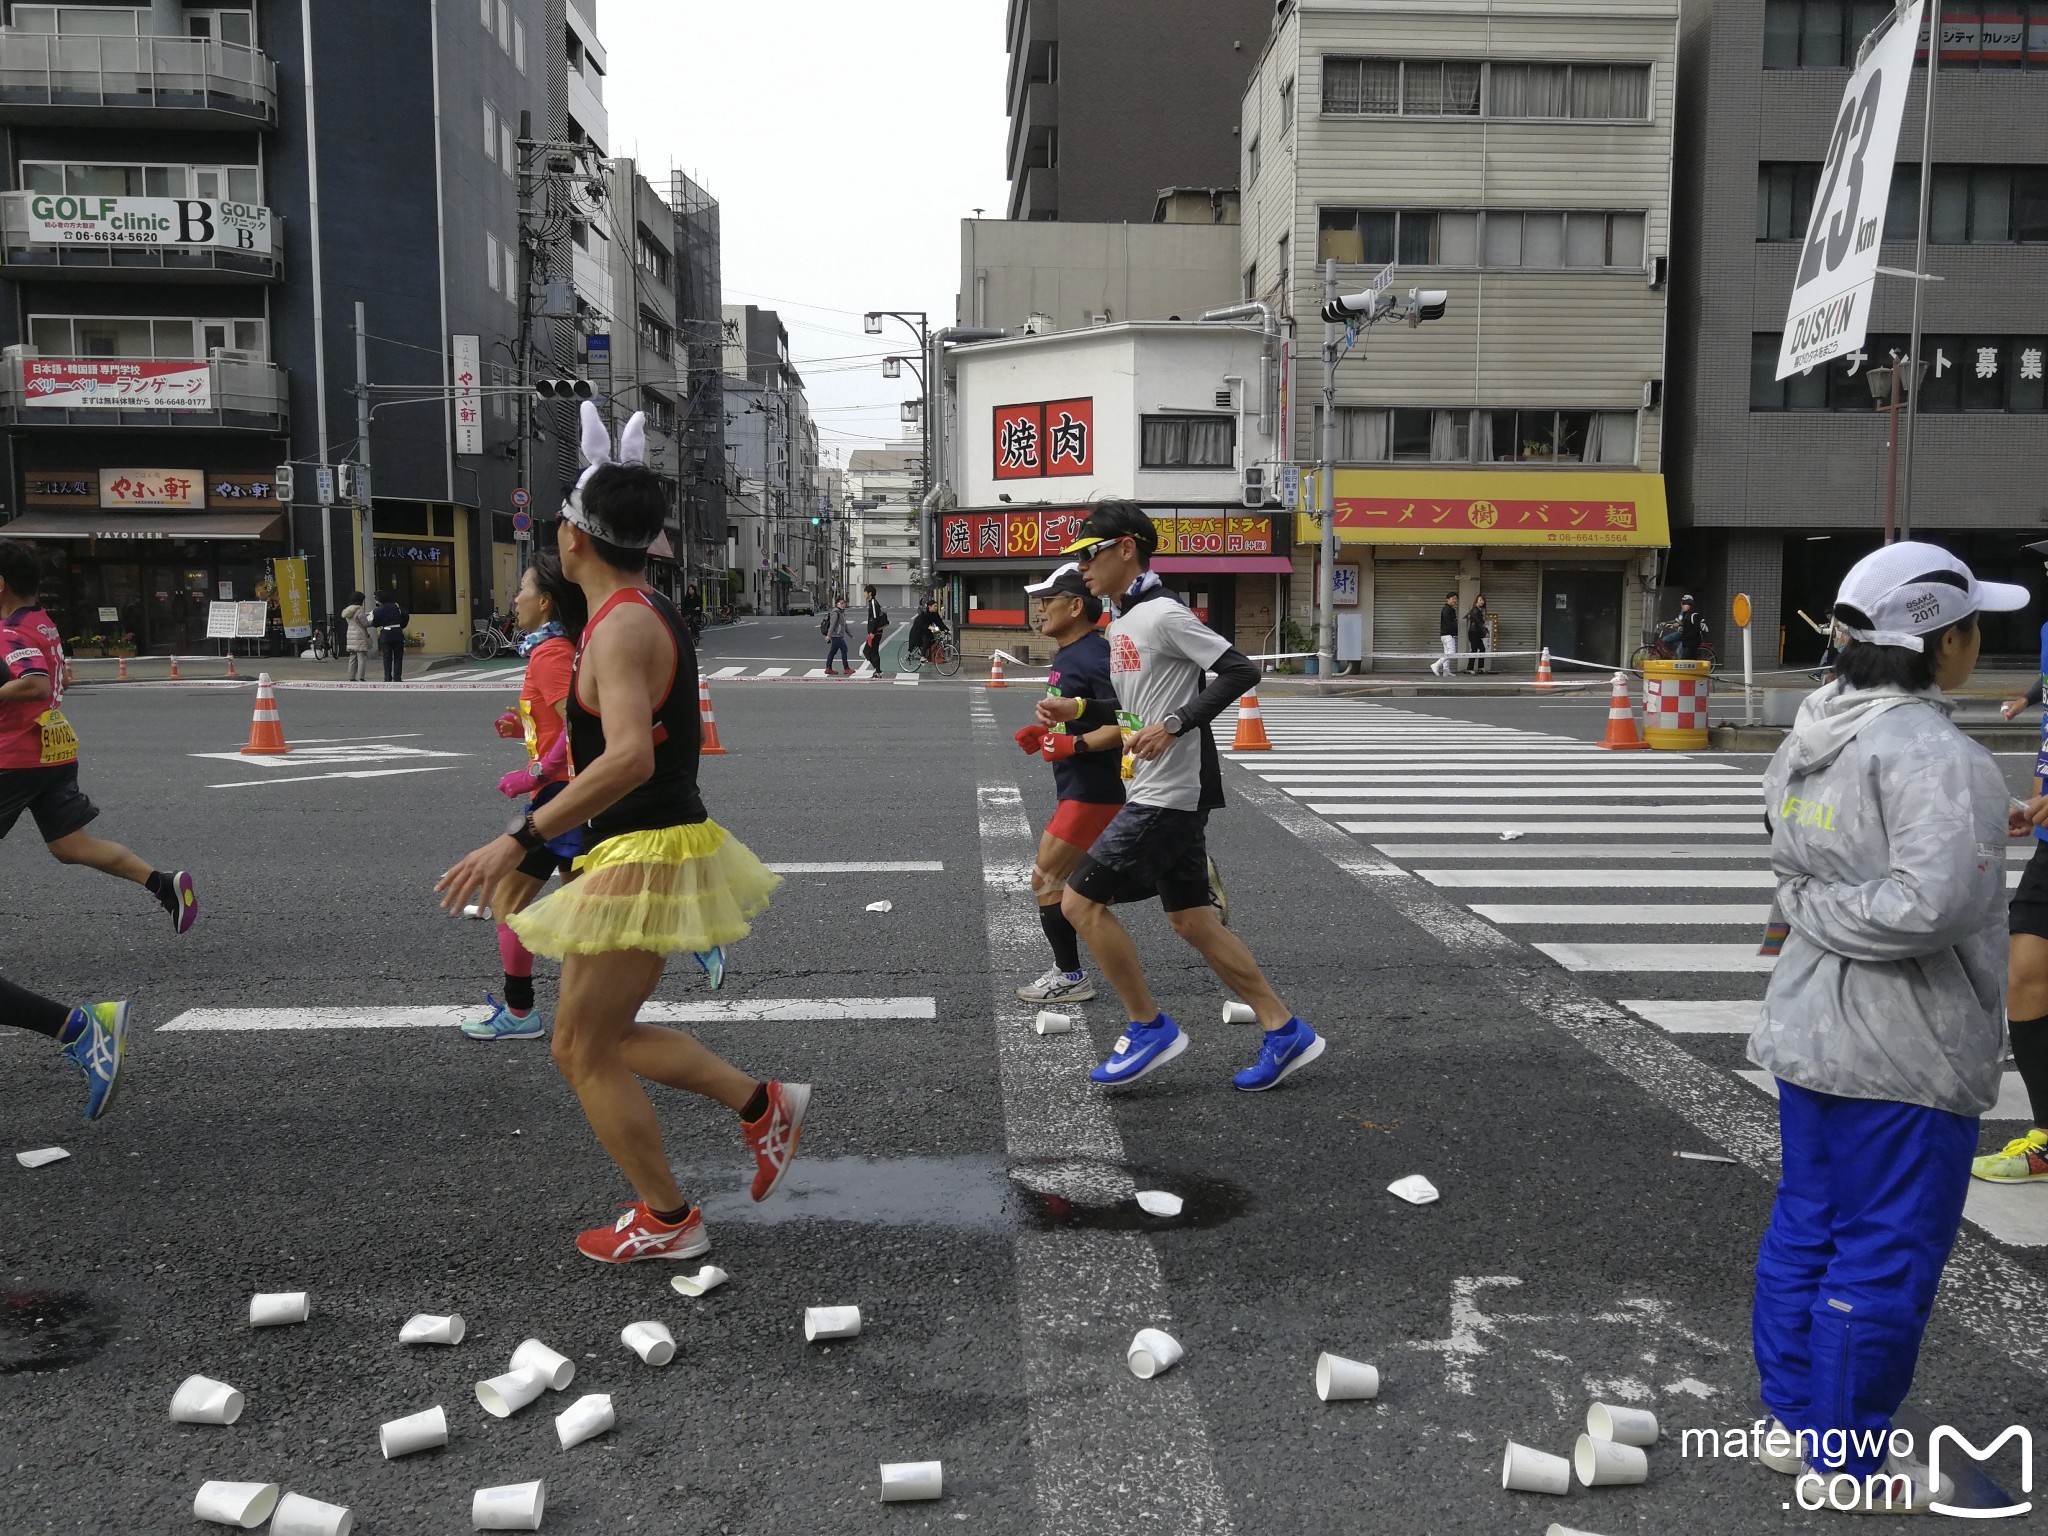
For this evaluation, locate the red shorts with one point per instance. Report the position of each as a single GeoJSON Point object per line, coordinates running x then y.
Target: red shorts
{"type": "Point", "coordinates": [1079, 822]}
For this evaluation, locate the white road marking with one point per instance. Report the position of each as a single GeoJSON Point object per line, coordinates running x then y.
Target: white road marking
{"type": "Point", "coordinates": [882, 867]}
{"type": "Point", "coordinates": [1749, 826]}
{"type": "Point", "coordinates": [907, 679]}
{"type": "Point", "coordinates": [1494, 849]}
{"type": "Point", "coordinates": [1499, 810]}
{"type": "Point", "coordinates": [816, 672]}
{"type": "Point", "coordinates": [726, 672]}
{"type": "Point", "coordinates": [1601, 915]}
{"type": "Point", "coordinates": [305, 755]}
{"type": "Point", "coordinates": [360, 773]}
{"type": "Point", "coordinates": [1509, 793]}
{"type": "Point", "coordinates": [1658, 957]}
{"type": "Point", "coordinates": [1696, 1018]}
{"type": "Point", "coordinates": [768, 672]}
{"type": "Point", "coordinates": [333, 741]}
{"type": "Point", "coordinates": [1507, 779]}
{"type": "Point", "coordinates": [772, 1010]}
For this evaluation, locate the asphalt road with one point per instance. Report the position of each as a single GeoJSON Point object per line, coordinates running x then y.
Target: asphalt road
{"type": "Point", "coordinates": [959, 1180]}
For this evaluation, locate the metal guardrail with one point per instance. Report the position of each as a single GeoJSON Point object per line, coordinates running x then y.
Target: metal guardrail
{"type": "Point", "coordinates": [59, 71]}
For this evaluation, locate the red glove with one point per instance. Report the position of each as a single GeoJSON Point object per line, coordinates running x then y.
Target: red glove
{"type": "Point", "coordinates": [1058, 749]}
{"type": "Point", "coordinates": [517, 784]}
{"type": "Point", "coordinates": [1032, 739]}
{"type": "Point", "coordinates": [509, 725]}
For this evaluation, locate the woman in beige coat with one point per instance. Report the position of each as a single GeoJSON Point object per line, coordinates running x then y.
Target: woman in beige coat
{"type": "Point", "coordinates": [361, 643]}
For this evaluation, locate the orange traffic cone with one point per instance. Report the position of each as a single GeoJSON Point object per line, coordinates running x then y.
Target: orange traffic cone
{"type": "Point", "coordinates": [1543, 679]}
{"type": "Point", "coordinates": [266, 731]}
{"type": "Point", "coordinates": [995, 671]}
{"type": "Point", "coordinates": [1251, 727]}
{"type": "Point", "coordinates": [122, 675]}
{"type": "Point", "coordinates": [174, 669]}
{"type": "Point", "coordinates": [70, 677]}
{"type": "Point", "coordinates": [1623, 734]}
{"type": "Point", "coordinates": [231, 666]}
{"type": "Point", "coordinates": [710, 746]}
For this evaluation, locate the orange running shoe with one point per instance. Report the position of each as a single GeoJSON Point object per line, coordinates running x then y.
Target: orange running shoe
{"type": "Point", "coordinates": [638, 1235]}
{"type": "Point", "coordinates": [773, 1138]}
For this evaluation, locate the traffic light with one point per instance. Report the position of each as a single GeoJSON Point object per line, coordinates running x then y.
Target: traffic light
{"type": "Point", "coordinates": [281, 482]}
{"type": "Point", "coordinates": [1427, 304]}
{"type": "Point", "coordinates": [564, 389]}
{"type": "Point", "coordinates": [345, 481]}
{"type": "Point", "coordinates": [1365, 308]}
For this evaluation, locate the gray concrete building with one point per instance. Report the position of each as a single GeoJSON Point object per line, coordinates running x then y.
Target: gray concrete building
{"type": "Point", "coordinates": [1063, 276]}
{"type": "Point", "coordinates": [1778, 488]}
{"type": "Point", "coordinates": [1112, 102]}
{"type": "Point", "coordinates": [773, 447]}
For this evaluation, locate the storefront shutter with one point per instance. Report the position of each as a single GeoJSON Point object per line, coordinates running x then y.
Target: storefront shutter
{"type": "Point", "coordinates": [1406, 598]}
{"type": "Point", "coordinates": [1511, 588]}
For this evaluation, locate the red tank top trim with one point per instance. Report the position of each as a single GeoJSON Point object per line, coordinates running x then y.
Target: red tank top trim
{"type": "Point", "coordinates": [626, 594]}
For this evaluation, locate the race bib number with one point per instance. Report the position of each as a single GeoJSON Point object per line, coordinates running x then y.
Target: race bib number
{"type": "Point", "coordinates": [60, 742]}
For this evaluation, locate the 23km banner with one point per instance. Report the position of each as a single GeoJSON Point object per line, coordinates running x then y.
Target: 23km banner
{"type": "Point", "coordinates": [1838, 264]}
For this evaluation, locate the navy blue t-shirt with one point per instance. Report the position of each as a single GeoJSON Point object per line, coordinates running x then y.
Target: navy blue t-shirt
{"type": "Point", "coordinates": [1081, 671]}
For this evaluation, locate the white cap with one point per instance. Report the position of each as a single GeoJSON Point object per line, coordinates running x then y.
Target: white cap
{"type": "Point", "coordinates": [1066, 579]}
{"type": "Point", "coordinates": [1909, 590]}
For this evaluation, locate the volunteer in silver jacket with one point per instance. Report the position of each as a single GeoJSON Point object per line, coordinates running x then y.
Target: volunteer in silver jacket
{"type": "Point", "coordinates": [1884, 1021]}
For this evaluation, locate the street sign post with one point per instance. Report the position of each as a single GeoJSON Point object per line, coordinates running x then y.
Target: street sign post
{"type": "Point", "coordinates": [1742, 615]}
{"type": "Point", "coordinates": [522, 522]}
{"type": "Point", "coordinates": [1290, 487]}
{"type": "Point", "coordinates": [323, 478]}
{"type": "Point", "coordinates": [521, 497]}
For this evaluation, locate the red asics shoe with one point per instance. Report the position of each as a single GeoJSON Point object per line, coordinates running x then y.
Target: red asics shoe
{"type": "Point", "coordinates": [773, 1138]}
{"type": "Point", "coordinates": [637, 1235]}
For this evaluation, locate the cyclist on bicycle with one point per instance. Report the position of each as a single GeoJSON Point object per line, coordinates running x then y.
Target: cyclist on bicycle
{"type": "Point", "coordinates": [1692, 629]}
{"type": "Point", "coordinates": [925, 630]}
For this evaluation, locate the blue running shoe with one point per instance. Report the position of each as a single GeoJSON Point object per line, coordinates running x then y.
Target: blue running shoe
{"type": "Point", "coordinates": [1284, 1051]}
{"type": "Point", "coordinates": [712, 963]}
{"type": "Point", "coordinates": [1143, 1048]}
{"type": "Point", "coordinates": [504, 1024]}
{"type": "Point", "coordinates": [97, 1052]}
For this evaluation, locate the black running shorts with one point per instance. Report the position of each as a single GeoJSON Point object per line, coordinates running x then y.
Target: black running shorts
{"type": "Point", "coordinates": [2029, 912]}
{"type": "Point", "coordinates": [544, 861]}
{"type": "Point", "coordinates": [1148, 850]}
{"type": "Point", "coordinates": [51, 795]}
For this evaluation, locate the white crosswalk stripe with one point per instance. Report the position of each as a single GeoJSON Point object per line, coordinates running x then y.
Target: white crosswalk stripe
{"type": "Point", "coordinates": [731, 674]}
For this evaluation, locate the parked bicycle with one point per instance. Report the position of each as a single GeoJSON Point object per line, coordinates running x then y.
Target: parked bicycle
{"type": "Point", "coordinates": [494, 637]}
{"type": "Point", "coordinates": [329, 639]}
{"type": "Point", "coordinates": [1663, 646]}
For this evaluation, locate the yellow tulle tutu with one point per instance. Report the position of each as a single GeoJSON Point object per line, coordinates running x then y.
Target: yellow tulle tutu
{"type": "Point", "coordinates": [675, 891]}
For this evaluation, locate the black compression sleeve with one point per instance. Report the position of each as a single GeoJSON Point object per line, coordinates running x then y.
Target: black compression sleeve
{"type": "Point", "coordinates": [2034, 694]}
{"type": "Point", "coordinates": [1236, 675]}
{"type": "Point", "coordinates": [1098, 712]}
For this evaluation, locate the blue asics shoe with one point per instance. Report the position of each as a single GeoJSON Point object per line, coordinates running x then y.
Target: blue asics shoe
{"type": "Point", "coordinates": [504, 1024]}
{"type": "Point", "coordinates": [1143, 1048]}
{"type": "Point", "coordinates": [97, 1052]}
{"type": "Point", "coordinates": [1283, 1051]}
{"type": "Point", "coordinates": [712, 963]}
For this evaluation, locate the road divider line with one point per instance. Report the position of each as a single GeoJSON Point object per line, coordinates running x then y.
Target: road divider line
{"type": "Point", "coordinates": [761, 1010]}
{"type": "Point", "coordinates": [1657, 958]}
{"type": "Point", "coordinates": [1750, 826]}
{"type": "Point", "coordinates": [308, 778]}
{"type": "Point", "coordinates": [1696, 1018]}
{"type": "Point", "coordinates": [1707, 914]}
{"type": "Point", "coordinates": [878, 867]}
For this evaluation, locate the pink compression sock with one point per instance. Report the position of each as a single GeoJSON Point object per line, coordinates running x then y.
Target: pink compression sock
{"type": "Point", "coordinates": [518, 959]}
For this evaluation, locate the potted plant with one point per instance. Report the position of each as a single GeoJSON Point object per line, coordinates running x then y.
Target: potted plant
{"type": "Point", "coordinates": [415, 641]}
{"type": "Point", "coordinates": [122, 645]}
{"type": "Point", "coordinates": [1291, 639]}
{"type": "Point", "coordinates": [82, 645]}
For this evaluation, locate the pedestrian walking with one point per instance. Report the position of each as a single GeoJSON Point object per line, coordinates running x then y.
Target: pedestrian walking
{"type": "Point", "coordinates": [833, 627]}
{"type": "Point", "coordinates": [1692, 629]}
{"type": "Point", "coordinates": [1157, 844]}
{"type": "Point", "coordinates": [1824, 671]}
{"type": "Point", "coordinates": [550, 609]}
{"type": "Point", "coordinates": [1478, 634]}
{"type": "Point", "coordinates": [1882, 1022]}
{"type": "Point", "coordinates": [1447, 636]}
{"type": "Point", "coordinates": [878, 624]}
{"type": "Point", "coordinates": [660, 878]}
{"type": "Point", "coordinates": [93, 1036]}
{"type": "Point", "coordinates": [39, 750]}
{"type": "Point", "coordinates": [390, 620]}
{"type": "Point", "coordinates": [361, 642]}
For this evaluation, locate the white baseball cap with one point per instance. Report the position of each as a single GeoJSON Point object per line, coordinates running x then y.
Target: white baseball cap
{"type": "Point", "coordinates": [1909, 590]}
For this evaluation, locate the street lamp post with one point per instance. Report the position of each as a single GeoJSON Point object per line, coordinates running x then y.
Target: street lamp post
{"type": "Point", "coordinates": [918, 323]}
{"type": "Point", "coordinates": [1886, 385]}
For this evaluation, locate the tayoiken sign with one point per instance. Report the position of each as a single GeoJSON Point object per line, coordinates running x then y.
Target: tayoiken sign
{"type": "Point", "coordinates": [74, 219]}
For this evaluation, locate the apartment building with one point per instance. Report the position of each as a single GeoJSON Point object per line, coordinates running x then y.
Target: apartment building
{"type": "Point", "coordinates": [1779, 486]}
{"type": "Point", "coordinates": [1518, 155]}
{"type": "Point", "coordinates": [772, 448]}
{"type": "Point", "coordinates": [884, 536]}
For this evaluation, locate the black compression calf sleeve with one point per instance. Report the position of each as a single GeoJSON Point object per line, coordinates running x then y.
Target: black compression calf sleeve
{"type": "Point", "coordinates": [1059, 933]}
{"type": "Point", "coordinates": [23, 1009]}
{"type": "Point", "coordinates": [519, 993]}
{"type": "Point", "coordinates": [2030, 1055]}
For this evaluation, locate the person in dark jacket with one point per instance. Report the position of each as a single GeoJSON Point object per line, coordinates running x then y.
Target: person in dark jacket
{"type": "Point", "coordinates": [1692, 629]}
{"type": "Point", "coordinates": [878, 623]}
{"type": "Point", "coordinates": [390, 620]}
{"type": "Point", "coordinates": [1478, 634]}
{"type": "Point", "coordinates": [1447, 636]}
{"type": "Point", "coordinates": [925, 630]}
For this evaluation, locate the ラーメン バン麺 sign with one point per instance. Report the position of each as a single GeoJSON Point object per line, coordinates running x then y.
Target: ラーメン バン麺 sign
{"type": "Point", "coordinates": [1542, 507]}
{"type": "Point", "coordinates": [74, 219]}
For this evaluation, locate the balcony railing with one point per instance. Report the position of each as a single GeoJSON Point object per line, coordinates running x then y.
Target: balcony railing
{"type": "Point", "coordinates": [229, 391]}
{"type": "Point", "coordinates": [50, 77]}
{"type": "Point", "coordinates": [87, 258]}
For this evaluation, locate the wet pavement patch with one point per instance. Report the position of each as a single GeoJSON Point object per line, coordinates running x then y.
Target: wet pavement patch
{"type": "Point", "coordinates": [1099, 1196]}
{"type": "Point", "coordinates": [53, 1330]}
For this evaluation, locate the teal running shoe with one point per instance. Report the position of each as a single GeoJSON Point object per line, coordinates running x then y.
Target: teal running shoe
{"type": "Point", "coordinates": [504, 1024]}
{"type": "Point", "coordinates": [712, 963]}
{"type": "Point", "coordinates": [97, 1052]}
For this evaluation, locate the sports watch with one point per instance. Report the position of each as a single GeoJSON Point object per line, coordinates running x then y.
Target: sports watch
{"type": "Point", "coordinates": [524, 833]}
{"type": "Point", "coordinates": [1174, 725]}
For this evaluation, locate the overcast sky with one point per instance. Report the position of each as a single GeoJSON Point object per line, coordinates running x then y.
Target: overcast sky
{"type": "Point", "coordinates": [844, 143]}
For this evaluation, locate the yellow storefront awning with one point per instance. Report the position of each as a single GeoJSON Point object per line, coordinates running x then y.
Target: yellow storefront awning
{"type": "Point", "coordinates": [1557, 509]}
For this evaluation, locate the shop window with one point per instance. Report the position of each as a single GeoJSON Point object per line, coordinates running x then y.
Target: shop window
{"type": "Point", "coordinates": [1818, 34]}
{"type": "Point", "coordinates": [420, 573]}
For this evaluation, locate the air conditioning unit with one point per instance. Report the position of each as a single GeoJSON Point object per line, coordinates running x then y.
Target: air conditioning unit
{"type": "Point", "coordinates": [1654, 272]}
{"type": "Point", "coordinates": [1100, 317]}
{"type": "Point", "coordinates": [1653, 394]}
{"type": "Point", "coordinates": [1253, 483]}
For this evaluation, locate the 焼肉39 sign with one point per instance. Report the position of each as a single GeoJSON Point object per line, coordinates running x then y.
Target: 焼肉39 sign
{"type": "Point", "coordinates": [1830, 310]}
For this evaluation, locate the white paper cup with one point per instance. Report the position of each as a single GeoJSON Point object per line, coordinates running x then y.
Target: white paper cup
{"type": "Point", "coordinates": [1603, 1464]}
{"type": "Point", "coordinates": [585, 1419]}
{"type": "Point", "coordinates": [903, 1481]}
{"type": "Point", "coordinates": [1527, 1471]}
{"type": "Point", "coordinates": [1555, 1529]}
{"type": "Point", "coordinates": [709, 1278]}
{"type": "Point", "coordinates": [831, 1323]}
{"type": "Point", "coordinates": [41, 1157]}
{"type": "Point", "coordinates": [1160, 1202]}
{"type": "Point", "coordinates": [415, 1432]}
{"type": "Point", "coordinates": [202, 1400]}
{"type": "Point", "coordinates": [1341, 1381]}
{"type": "Point", "coordinates": [274, 1309]}
{"type": "Point", "coordinates": [1415, 1189]}
{"type": "Point", "coordinates": [503, 1396]}
{"type": "Point", "coordinates": [652, 1342]}
{"type": "Point", "coordinates": [1624, 1426]}
{"type": "Point", "coordinates": [242, 1505]}
{"type": "Point", "coordinates": [1240, 1013]}
{"type": "Point", "coordinates": [425, 1328]}
{"type": "Point", "coordinates": [556, 1370]}
{"type": "Point", "coordinates": [514, 1507]}
{"type": "Point", "coordinates": [1152, 1353]}
{"type": "Point", "coordinates": [1046, 1023]}
{"type": "Point", "coordinates": [298, 1515]}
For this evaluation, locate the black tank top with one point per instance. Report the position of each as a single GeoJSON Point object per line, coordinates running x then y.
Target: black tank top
{"type": "Point", "coordinates": [669, 798]}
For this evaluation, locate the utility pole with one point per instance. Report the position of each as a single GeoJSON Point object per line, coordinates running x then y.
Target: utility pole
{"type": "Point", "coordinates": [363, 504]}
{"type": "Point", "coordinates": [526, 250]}
{"type": "Point", "coordinates": [1326, 585]}
{"type": "Point", "coordinates": [1934, 15]}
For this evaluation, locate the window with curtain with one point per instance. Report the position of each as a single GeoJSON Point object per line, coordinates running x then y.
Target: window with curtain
{"type": "Point", "coordinates": [1188, 442]}
{"type": "Point", "coordinates": [1593, 92]}
{"type": "Point", "coordinates": [1409, 437]}
{"type": "Point", "coordinates": [1364, 434]}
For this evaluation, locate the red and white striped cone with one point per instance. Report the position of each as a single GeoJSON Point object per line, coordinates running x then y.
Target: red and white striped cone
{"type": "Point", "coordinates": [711, 746]}
{"type": "Point", "coordinates": [1623, 734]}
{"type": "Point", "coordinates": [266, 731]}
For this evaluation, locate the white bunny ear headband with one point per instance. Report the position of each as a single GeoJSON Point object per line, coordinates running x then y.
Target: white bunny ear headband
{"type": "Point", "coordinates": [597, 448]}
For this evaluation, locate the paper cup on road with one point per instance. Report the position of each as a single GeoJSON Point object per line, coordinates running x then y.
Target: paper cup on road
{"type": "Point", "coordinates": [1602, 1463]}
{"type": "Point", "coordinates": [425, 1328]}
{"type": "Point", "coordinates": [1624, 1426]}
{"type": "Point", "coordinates": [1152, 1353]}
{"type": "Point", "coordinates": [709, 1278]}
{"type": "Point", "coordinates": [202, 1400]}
{"type": "Point", "coordinates": [650, 1341]}
{"type": "Point", "coordinates": [1342, 1381]}
{"type": "Point", "coordinates": [1240, 1013]}
{"type": "Point", "coordinates": [274, 1309]}
{"type": "Point", "coordinates": [1555, 1529]}
{"type": "Point", "coordinates": [1049, 1023]}
{"type": "Point", "coordinates": [1526, 1471]}
{"type": "Point", "coordinates": [1157, 1202]}
{"type": "Point", "coordinates": [831, 1322]}
{"type": "Point", "coordinates": [903, 1481]}
{"type": "Point", "coordinates": [585, 1419]}
{"type": "Point", "coordinates": [416, 1432]}
{"type": "Point", "coordinates": [514, 1507]}
{"type": "Point", "coordinates": [242, 1505]}
{"type": "Point", "coordinates": [1415, 1189]}
{"type": "Point", "coordinates": [554, 1369]}
{"type": "Point", "coordinates": [881, 906]}
{"type": "Point", "coordinates": [41, 1157]}
{"type": "Point", "coordinates": [298, 1515]}
{"type": "Point", "coordinates": [503, 1396]}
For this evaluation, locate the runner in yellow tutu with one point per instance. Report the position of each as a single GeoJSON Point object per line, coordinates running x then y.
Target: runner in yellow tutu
{"type": "Point", "coordinates": [660, 877]}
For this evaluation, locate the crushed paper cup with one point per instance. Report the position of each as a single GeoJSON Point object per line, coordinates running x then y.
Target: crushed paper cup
{"type": "Point", "coordinates": [1415, 1189]}
{"type": "Point", "coordinates": [1524, 1470]}
{"type": "Point", "coordinates": [1510, 837]}
{"type": "Point", "coordinates": [1152, 1353]}
{"type": "Point", "coordinates": [1555, 1529]}
{"type": "Point", "coordinates": [1048, 1023]}
{"type": "Point", "coordinates": [513, 1507]}
{"type": "Point", "coordinates": [298, 1515]}
{"type": "Point", "coordinates": [1342, 1381]}
{"type": "Point", "coordinates": [42, 1157]}
{"type": "Point", "coordinates": [242, 1505]}
{"type": "Point", "coordinates": [556, 1370]}
{"type": "Point", "coordinates": [831, 1323]}
{"type": "Point", "coordinates": [276, 1309]}
{"type": "Point", "coordinates": [1705, 1157]}
{"type": "Point", "coordinates": [476, 913]}
{"type": "Point", "coordinates": [503, 1396]}
{"type": "Point", "coordinates": [1240, 1013]}
{"type": "Point", "coordinates": [652, 1342]}
{"type": "Point", "coordinates": [709, 1278]}
{"type": "Point", "coordinates": [1604, 1464]}
{"type": "Point", "coordinates": [1157, 1202]}
{"type": "Point", "coordinates": [202, 1400]}
{"type": "Point", "coordinates": [1624, 1426]}
{"type": "Point", "coordinates": [585, 1419]}
{"type": "Point", "coordinates": [415, 1432]}
{"type": "Point", "coordinates": [903, 1481]}
{"type": "Point", "coordinates": [881, 906]}
{"type": "Point", "coordinates": [425, 1328]}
